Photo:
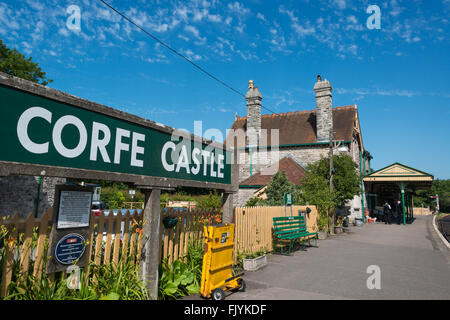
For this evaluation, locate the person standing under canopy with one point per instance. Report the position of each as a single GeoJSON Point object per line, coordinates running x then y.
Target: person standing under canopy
{"type": "Point", "coordinates": [387, 212]}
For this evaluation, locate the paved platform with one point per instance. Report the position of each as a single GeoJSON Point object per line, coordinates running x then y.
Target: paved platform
{"type": "Point", "coordinates": [414, 264]}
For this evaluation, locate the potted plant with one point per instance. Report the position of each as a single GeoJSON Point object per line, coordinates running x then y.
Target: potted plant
{"type": "Point", "coordinates": [338, 226]}
{"type": "Point", "coordinates": [254, 261]}
{"type": "Point", "coordinates": [322, 223]}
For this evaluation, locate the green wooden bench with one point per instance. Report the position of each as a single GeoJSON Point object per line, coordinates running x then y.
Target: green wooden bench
{"type": "Point", "coordinates": [291, 230]}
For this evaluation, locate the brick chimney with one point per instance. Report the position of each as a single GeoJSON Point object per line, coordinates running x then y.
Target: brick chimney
{"type": "Point", "coordinates": [253, 98]}
{"type": "Point", "coordinates": [324, 113]}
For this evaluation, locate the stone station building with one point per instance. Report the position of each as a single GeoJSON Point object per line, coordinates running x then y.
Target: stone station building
{"type": "Point", "coordinates": [301, 136]}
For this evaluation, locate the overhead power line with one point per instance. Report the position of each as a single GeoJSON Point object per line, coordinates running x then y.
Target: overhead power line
{"type": "Point", "coordinates": [177, 52]}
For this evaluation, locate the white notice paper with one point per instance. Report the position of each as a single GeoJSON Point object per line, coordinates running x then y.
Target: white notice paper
{"type": "Point", "coordinates": [74, 209]}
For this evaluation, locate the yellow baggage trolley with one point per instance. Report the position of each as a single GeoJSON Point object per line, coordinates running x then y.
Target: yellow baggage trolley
{"type": "Point", "coordinates": [217, 273]}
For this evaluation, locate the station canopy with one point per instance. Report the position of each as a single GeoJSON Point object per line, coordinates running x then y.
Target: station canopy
{"type": "Point", "coordinates": [396, 182]}
{"type": "Point", "coordinates": [399, 174]}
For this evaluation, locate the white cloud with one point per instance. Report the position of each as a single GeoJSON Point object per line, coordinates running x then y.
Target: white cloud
{"type": "Point", "coordinates": [192, 30]}
{"type": "Point", "coordinates": [353, 49]}
{"type": "Point", "coordinates": [379, 92]}
{"type": "Point", "coordinates": [301, 30]}
{"type": "Point", "coordinates": [352, 19]}
{"type": "Point", "coordinates": [238, 8]}
{"type": "Point", "coordinates": [63, 32]}
{"type": "Point", "coordinates": [184, 37]}
{"type": "Point", "coordinates": [260, 16]}
{"type": "Point", "coordinates": [396, 9]}
{"type": "Point", "coordinates": [191, 55]}
{"type": "Point", "coordinates": [200, 14]}
{"type": "Point", "coordinates": [240, 28]}
{"type": "Point", "coordinates": [215, 18]}
{"type": "Point", "coordinates": [340, 4]}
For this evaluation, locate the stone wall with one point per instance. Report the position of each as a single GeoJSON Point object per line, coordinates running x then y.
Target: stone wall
{"type": "Point", "coordinates": [262, 159]}
{"type": "Point", "coordinates": [305, 155]}
{"type": "Point", "coordinates": [18, 194]}
{"type": "Point", "coordinates": [243, 196]}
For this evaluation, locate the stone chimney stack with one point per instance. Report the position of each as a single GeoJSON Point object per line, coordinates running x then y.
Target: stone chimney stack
{"type": "Point", "coordinates": [324, 113]}
{"type": "Point", "coordinates": [253, 98]}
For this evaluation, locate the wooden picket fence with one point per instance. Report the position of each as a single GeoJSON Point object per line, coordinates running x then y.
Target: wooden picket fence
{"type": "Point", "coordinates": [114, 237]}
{"type": "Point", "coordinates": [111, 237]}
{"type": "Point", "coordinates": [254, 225]}
{"type": "Point", "coordinates": [190, 224]}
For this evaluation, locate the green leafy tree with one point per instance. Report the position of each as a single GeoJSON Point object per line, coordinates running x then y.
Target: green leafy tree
{"type": "Point", "coordinates": [213, 201]}
{"type": "Point", "coordinates": [315, 191]}
{"type": "Point", "coordinates": [346, 184]}
{"type": "Point", "coordinates": [112, 197]}
{"type": "Point", "coordinates": [14, 63]}
{"type": "Point", "coordinates": [254, 202]}
{"type": "Point", "coordinates": [277, 187]}
{"type": "Point", "coordinates": [439, 187]}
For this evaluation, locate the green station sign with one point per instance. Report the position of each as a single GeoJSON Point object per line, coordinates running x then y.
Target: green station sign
{"type": "Point", "coordinates": [43, 131]}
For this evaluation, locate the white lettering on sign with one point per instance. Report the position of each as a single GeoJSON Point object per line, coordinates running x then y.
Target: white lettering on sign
{"type": "Point", "coordinates": [180, 161]}
{"type": "Point", "coordinates": [22, 129]}
{"type": "Point", "coordinates": [166, 147]}
{"type": "Point", "coordinates": [56, 135]}
{"type": "Point", "coordinates": [100, 144]}
{"type": "Point", "coordinates": [195, 154]}
{"type": "Point", "coordinates": [183, 160]}
{"type": "Point", "coordinates": [205, 155]}
{"type": "Point", "coordinates": [220, 165]}
{"type": "Point", "coordinates": [97, 143]}
{"type": "Point", "coordinates": [135, 149]}
{"type": "Point", "coordinates": [120, 146]}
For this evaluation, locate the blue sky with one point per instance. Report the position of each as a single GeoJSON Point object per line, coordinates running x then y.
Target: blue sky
{"type": "Point", "coordinates": [397, 75]}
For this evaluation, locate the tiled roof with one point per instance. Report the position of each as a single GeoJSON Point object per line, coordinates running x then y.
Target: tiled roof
{"type": "Point", "coordinates": [299, 127]}
{"type": "Point", "coordinates": [294, 172]}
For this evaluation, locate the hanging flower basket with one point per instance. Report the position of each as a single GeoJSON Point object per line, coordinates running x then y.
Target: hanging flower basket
{"type": "Point", "coordinates": [170, 222]}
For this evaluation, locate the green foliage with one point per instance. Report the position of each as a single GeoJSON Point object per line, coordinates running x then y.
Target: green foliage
{"type": "Point", "coordinates": [315, 190]}
{"type": "Point", "coordinates": [440, 187]}
{"type": "Point", "coordinates": [346, 179]}
{"type": "Point", "coordinates": [254, 202]}
{"type": "Point", "coordinates": [322, 221]}
{"type": "Point", "coordinates": [247, 254]}
{"type": "Point", "coordinates": [138, 196]}
{"type": "Point", "coordinates": [315, 186]}
{"type": "Point", "coordinates": [176, 197]}
{"type": "Point", "coordinates": [112, 197]}
{"type": "Point", "coordinates": [277, 187]}
{"type": "Point", "coordinates": [194, 258]}
{"type": "Point", "coordinates": [106, 282]}
{"type": "Point", "coordinates": [181, 278]}
{"type": "Point", "coordinates": [212, 201]}
{"type": "Point", "coordinates": [14, 63]}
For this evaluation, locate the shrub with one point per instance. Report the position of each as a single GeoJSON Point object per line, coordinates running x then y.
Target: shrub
{"type": "Point", "coordinates": [104, 282]}
{"type": "Point", "coordinates": [212, 201]}
{"type": "Point", "coordinates": [112, 197]}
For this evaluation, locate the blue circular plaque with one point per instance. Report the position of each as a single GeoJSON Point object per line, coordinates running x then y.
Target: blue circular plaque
{"type": "Point", "coordinates": [70, 248]}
